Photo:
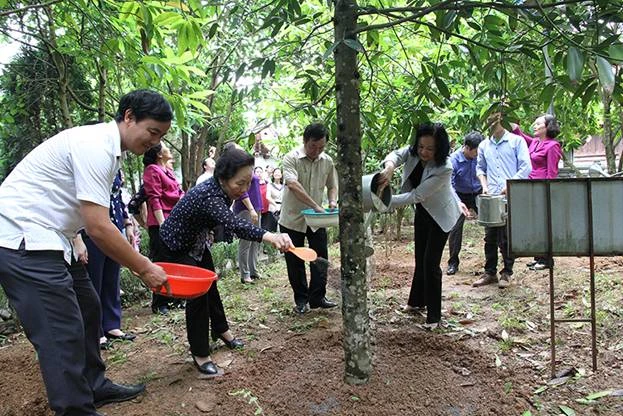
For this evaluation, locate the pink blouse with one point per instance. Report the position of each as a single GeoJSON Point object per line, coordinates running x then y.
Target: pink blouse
{"type": "Point", "coordinates": [162, 190]}
{"type": "Point", "coordinates": [544, 155]}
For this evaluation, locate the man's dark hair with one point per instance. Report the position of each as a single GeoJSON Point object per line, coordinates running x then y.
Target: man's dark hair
{"type": "Point", "coordinates": [151, 156]}
{"type": "Point", "coordinates": [230, 162]}
{"type": "Point", "coordinates": [144, 104]}
{"type": "Point", "coordinates": [315, 132]}
{"type": "Point", "coordinates": [442, 143]}
{"type": "Point", "coordinates": [473, 139]}
{"type": "Point", "coordinates": [552, 129]}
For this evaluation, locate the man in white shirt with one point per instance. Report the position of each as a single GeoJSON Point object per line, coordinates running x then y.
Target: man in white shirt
{"type": "Point", "coordinates": [64, 185]}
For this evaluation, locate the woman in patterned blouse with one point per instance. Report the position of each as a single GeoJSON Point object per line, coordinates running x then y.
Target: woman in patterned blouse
{"type": "Point", "coordinates": [183, 240]}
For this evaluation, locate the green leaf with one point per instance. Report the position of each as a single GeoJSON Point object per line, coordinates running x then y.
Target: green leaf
{"type": "Point", "coordinates": [167, 19]}
{"type": "Point", "coordinates": [442, 87]}
{"type": "Point", "coordinates": [589, 94]}
{"type": "Point", "coordinates": [566, 410]}
{"type": "Point", "coordinates": [329, 51]}
{"type": "Point", "coordinates": [606, 74]}
{"type": "Point", "coordinates": [598, 395]}
{"type": "Point", "coordinates": [494, 23]}
{"type": "Point", "coordinates": [201, 94]}
{"type": "Point", "coordinates": [616, 52]}
{"type": "Point", "coordinates": [354, 44]}
{"type": "Point", "coordinates": [547, 93]}
{"type": "Point", "coordinates": [182, 38]}
{"type": "Point", "coordinates": [200, 106]}
{"type": "Point", "coordinates": [575, 64]}
{"type": "Point", "coordinates": [372, 38]}
{"type": "Point", "coordinates": [448, 19]}
{"type": "Point", "coordinates": [212, 30]}
{"type": "Point", "coordinates": [240, 70]}
{"type": "Point", "coordinates": [527, 413]}
{"type": "Point", "coordinates": [268, 68]}
{"type": "Point", "coordinates": [540, 390]}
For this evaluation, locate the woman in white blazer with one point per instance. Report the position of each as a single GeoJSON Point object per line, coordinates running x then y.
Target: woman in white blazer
{"type": "Point", "coordinates": [426, 182]}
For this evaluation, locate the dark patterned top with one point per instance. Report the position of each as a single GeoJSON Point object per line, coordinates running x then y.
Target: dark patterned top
{"type": "Point", "coordinates": [200, 210]}
{"type": "Point", "coordinates": [117, 211]}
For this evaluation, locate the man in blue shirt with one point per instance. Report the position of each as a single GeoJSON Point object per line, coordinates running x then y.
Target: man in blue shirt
{"type": "Point", "coordinates": [502, 156]}
{"type": "Point", "coordinates": [467, 187]}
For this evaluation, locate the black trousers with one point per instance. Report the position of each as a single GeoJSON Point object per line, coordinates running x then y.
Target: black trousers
{"type": "Point", "coordinates": [497, 237]}
{"type": "Point", "coordinates": [455, 238]}
{"type": "Point", "coordinates": [202, 311]}
{"type": "Point", "coordinates": [317, 288]}
{"type": "Point", "coordinates": [60, 312]}
{"type": "Point", "coordinates": [430, 241]}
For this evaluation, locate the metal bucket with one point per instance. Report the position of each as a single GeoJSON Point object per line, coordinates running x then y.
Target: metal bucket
{"type": "Point", "coordinates": [371, 200]}
{"type": "Point", "coordinates": [491, 210]}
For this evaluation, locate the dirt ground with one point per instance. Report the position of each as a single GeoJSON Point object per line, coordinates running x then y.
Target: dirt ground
{"type": "Point", "coordinates": [491, 358]}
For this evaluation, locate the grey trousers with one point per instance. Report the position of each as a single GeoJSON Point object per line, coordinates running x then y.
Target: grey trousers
{"type": "Point", "coordinates": [60, 312]}
{"type": "Point", "coordinates": [247, 252]}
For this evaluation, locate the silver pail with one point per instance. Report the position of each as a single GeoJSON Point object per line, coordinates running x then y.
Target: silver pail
{"type": "Point", "coordinates": [491, 210]}
{"type": "Point", "coordinates": [371, 199]}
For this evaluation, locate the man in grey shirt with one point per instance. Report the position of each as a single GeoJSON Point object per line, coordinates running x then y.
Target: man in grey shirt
{"type": "Point", "coordinates": [307, 171]}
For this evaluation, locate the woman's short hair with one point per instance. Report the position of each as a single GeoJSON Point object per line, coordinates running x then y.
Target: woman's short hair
{"type": "Point", "coordinates": [230, 162]}
{"type": "Point", "coordinates": [552, 129]}
{"type": "Point", "coordinates": [151, 156]}
{"type": "Point", "coordinates": [442, 143]}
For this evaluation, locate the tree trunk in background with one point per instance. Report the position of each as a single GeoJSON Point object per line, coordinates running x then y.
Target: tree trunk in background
{"type": "Point", "coordinates": [61, 69]}
{"type": "Point", "coordinates": [606, 100]}
{"type": "Point", "coordinates": [352, 236]}
{"type": "Point", "coordinates": [101, 96]}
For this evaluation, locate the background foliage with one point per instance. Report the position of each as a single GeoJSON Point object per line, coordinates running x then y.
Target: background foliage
{"type": "Point", "coordinates": [227, 67]}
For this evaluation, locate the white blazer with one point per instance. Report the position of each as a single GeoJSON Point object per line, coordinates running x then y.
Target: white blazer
{"type": "Point", "coordinates": [434, 192]}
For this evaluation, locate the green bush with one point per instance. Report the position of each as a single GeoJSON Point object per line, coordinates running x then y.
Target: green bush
{"type": "Point", "coordinates": [4, 302]}
{"type": "Point", "coordinates": [134, 289]}
{"type": "Point", "coordinates": [222, 253]}
{"type": "Point", "coordinates": [144, 244]}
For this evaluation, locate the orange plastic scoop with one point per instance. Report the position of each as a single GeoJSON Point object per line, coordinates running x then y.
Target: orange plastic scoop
{"type": "Point", "coordinates": [304, 253]}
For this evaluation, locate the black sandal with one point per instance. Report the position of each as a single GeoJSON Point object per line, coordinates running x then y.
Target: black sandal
{"type": "Point", "coordinates": [206, 368]}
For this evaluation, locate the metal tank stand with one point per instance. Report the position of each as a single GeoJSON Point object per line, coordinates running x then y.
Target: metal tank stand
{"type": "Point", "coordinates": [553, 319]}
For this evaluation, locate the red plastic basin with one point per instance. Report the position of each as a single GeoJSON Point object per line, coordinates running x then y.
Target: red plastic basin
{"type": "Point", "coordinates": [186, 282]}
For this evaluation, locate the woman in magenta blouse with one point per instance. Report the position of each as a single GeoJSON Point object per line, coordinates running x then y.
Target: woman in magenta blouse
{"type": "Point", "coordinates": [545, 153]}
{"type": "Point", "coordinates": [163, 191]}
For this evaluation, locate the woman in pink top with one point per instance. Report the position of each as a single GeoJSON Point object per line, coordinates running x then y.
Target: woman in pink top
{"type": "Point", "coordinates": [163, 191]}
{"type": "Point", "coordinates": [545, 153]}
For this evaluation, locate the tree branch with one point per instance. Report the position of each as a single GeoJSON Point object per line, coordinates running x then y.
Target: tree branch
{"type": "Point", "coordinates": [5, 13]}
{"type": "Point", "coordinates": [458, 5]}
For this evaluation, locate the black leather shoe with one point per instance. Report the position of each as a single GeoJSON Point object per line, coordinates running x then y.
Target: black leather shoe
{"type": "Point", "coordinates": [324, 304]}
{"type": "Point", "coordinates": [115, 393]}
{"type": "Point", "coordinates": [232, 345]}
{"type": "Point", "coordinates": [206, 368]}
{"type": "Point", "coordinates": [124, 337]}
{"type": "Point", "coordinates": [452, 269]}
{"type": "Point", "coordinates": [301, 308]}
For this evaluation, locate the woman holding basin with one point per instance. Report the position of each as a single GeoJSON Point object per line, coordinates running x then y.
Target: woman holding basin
{"type": "Point", "coordinates": [426, 182]}
{"type": "Point", "coordinates": [183, 236]}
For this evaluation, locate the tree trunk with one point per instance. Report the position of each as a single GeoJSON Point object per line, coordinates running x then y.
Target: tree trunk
{"type": "Point", "coordinates": [352, 236]}
{"type": "Point", "coordinates": [607, 137]}
{"type": "Point", "coordinates": [101, 96]}
{"type": "Point", "coordinates": [61, 68]}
